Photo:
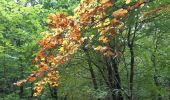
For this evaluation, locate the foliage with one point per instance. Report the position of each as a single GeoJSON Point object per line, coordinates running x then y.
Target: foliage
{"type": "Point", "coordinates": [103, 49]}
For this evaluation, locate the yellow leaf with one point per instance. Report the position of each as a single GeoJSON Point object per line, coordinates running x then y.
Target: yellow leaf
{"type": "Point", "coordinates": [103, 1]}
{"type": "Point", "coordinates": [103, 39]}
{"type": "Point", "coordinates": [98, 48]}
{"type": "Point", "coordinates": [65, 42]}
{"type": "Point", "coordinates": [61, 49]}
{"type": "Point", "coordinates": [127, 1]}
{"type": "Point", "coordinates": [91, 37]}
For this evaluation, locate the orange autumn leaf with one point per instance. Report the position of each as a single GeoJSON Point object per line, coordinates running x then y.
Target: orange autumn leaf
{"type": "Point", "coordinates": [114, 22]}
{"type": "Point", "coordinates": [120, 13]}
{"type": "Point", "coordinates": [45, 67]}
{"type": "Point", "coordinates": [120, 27]}
{"type": "Point", "coordinates": [108, 53]}
{"type": "Point", "coordinates": [104, 39]}
{"type": "Point", "coordinates": [30, 79]}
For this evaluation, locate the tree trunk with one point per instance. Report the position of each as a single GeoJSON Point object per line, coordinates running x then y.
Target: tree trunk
{"type": "Point", "coordinates": [53, 92]}
{"type": "Point", "coordinates": [21, 91]}
{"type": "Point", "coordinates": [117, 81]}
{"type": "Point", "coordinates": [94, 81]}
{"type": "Point", "coordinates": [131, 71]}
{"type": "Point", "coordinates": [130, 40]}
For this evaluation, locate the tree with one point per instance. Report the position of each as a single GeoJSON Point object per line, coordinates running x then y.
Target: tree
{"type": "Point", "coordinates": [17, 47]}
{"type": "Point", "coordinates": [72, 40]}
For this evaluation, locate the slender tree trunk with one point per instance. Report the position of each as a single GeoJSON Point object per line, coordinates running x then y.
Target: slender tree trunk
{"type": "Point", "coordinates": [114, 79]}
{"type": "Point", "coordinates": [32, 90]}
{"type": "Point", "coordinates": [22, 86]}
{"type": "Point", "coordinates": [153, 59]}
{"type": "Point", "coordinates": [65, 97]}
{"type": "Point", "coordinates": [131, 71]}
{"type": "Point", "coordinates": [117, 81]}
{"type": "Point", "coordinates": [102, 73]}
{"type": "Point", "coordinates": [22, 73]}
{"type": "Point", "coordinates": [93, 76]}
{"type": "Point", "coordinates": [110, 79]}
{"type": "Point", "coordinates": [92, 71]}
{"type": "Point", "coordinates": [53, 92]}
{"type": "Point", "coordinates": [4, 74]}
{"type": "Point", "coordinates": [132, 58]}
{"type": "Point", "coordinates": [21, 91]}
{"type": "Point", "coordinates": [156, 81]}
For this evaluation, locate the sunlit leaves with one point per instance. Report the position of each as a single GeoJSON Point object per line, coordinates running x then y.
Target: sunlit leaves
{"type": "Point", "coordinates": [105, 50]}
{"type": "Point", "coordinates": [127, 1]}
{"type": "Point", "coordinates": [20, 82]}
{"type": "Point", "coordinates": [120, 13]}
{"type": "Point", "coordinates": [51, 79]}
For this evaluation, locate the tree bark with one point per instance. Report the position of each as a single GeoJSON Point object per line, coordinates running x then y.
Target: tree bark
{"type": "Point", "coordinates": [117, 81]}
{"type": "Point", "coordinates": [94, 81]}
{"type": "Point", "coordinates": [131, 71]}
{"type": "Point", "coordinates": [53, 92]}
{"type": "Point", "coordinates": [132, 58]}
